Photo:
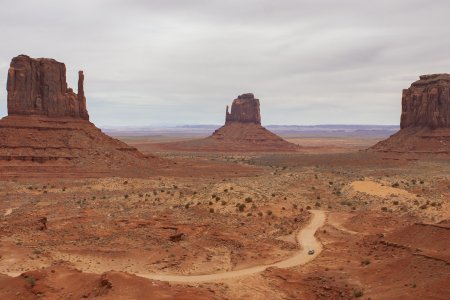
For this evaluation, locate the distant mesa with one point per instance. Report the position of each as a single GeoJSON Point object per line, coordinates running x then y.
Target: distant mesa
{"type": "Point", "coordinates": [242, 132]}
{"type": "Point", "coordinates": [425, 118]}
{"type": "Point", "coordinates": [47, 129]}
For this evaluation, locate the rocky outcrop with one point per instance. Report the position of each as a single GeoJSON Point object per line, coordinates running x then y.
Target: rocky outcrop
{"type": "Point", "coordinates": [242, 132]}
{"type": "Point", "coordinates": [427, 103]}
{"type": "Point", "coordinates": [425, 118]}
{"type": "Point", "coordinates": [47, 130]}
{"type": "Point", "coordinates": [39, 87]}
{"type": "Point", "coordinates": [245, 109]}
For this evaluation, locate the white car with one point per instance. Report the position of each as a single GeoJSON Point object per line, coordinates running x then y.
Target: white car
{"type": "Point", "coordinates": [311, 252]}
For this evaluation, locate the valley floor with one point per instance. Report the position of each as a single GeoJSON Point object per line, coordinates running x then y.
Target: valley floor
{"type": "Point", "coordinates": [386, 234]}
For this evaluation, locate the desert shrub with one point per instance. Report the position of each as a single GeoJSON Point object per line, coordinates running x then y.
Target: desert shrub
{"type": "Point", "coordinates": [125, 196]}
{"type": "Point", "coordinates": [125, 182]}
{"type": "Point", "coordinates": [241, 207]}
{"type": "Point", "coordinates": [31, 281]}
{"type": "Point", "coordinates": [224, 202]}
{"type": "Point", "coordinates": [384, 208]}
{"type": "Point", "coordinates": [395, 202]}
{"type": "Point", "coordinates": [225, 190]}
{"type": "Point", "coordinates": [187, 205]}
{"type": "Point", "coordinates": [260, 214]}
{"type": "Point", "coordinates": [273, 194]}
{"type": "Point", "coordinates": [365, 262]}
{"type": "Point", "coordinates": [395, 185]}
{"type": "Point", "coordinates": [269, 212]}
{"type": "Point", "coordinates": [211, 210]}
{"type": "Point", "coordinates": [248, 199]}
{"type": "Point", "coordinates": [358, 294]}
{"type": "Point", "coordinates": [424, 206]}
{"type": "Point", "coordinates": [308, 207]}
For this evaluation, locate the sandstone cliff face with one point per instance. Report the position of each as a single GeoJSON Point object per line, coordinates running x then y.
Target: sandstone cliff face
{"type": "Point", "coordinates": [245, 109]}
{"type": "Point", "coordinates": [47, 130]}
{"type": "Point", "coordinates": [426, 103]}
{"type": "Point", "coordinates": [39, 87]}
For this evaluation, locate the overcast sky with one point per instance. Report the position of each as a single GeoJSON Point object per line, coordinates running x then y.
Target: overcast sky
{"type": "Point", "coordinates": [181, 62]}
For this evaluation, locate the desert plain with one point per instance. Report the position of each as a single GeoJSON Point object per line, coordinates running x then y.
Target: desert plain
{"type": "Point", "coordinates": [385, 233]}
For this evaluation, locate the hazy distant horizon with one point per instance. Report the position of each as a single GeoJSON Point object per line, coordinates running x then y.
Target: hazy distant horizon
{"type": "Point", "coordinates": [266, 125]}
{"type": "Point", "coordinates": [182, 62]}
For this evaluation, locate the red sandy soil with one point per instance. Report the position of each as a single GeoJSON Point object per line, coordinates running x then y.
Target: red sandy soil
{"type": "Point", "coordinates": [209, 213]}
{"type": "Point", "coordinates": [61, 282]}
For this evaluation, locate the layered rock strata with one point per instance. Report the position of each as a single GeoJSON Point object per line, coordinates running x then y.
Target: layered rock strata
{"type": "Point", "coordinates": [47, 129]}
{"type": "Point", "coordinates": [39, 87]}
{"type": "Point", "coordinates": [425, 118]}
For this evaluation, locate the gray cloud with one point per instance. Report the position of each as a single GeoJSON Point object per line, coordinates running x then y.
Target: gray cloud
{"type": "Point", "coordinates": [180, 62]}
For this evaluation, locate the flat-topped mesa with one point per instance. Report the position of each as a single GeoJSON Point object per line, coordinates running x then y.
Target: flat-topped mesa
{"type": "Point", "coordinates": [39, 87]}
{"type": "Point", "coordinates": [245, 109]}
{"type": "Point", "coordinates": [426, 104]}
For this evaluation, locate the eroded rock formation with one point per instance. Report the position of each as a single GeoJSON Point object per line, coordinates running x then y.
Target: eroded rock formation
{"type": "Point", "coordinates": [242, 132]}
{"type": "Point", "coordinates": [427, 102]}
{"type": "Point", "coordinates": [245, 109]}
{"type": "Point", "coordinates": [47, 129]}
{"type": "Point", "coordinates": [425, 118]}
{"type": "Point", "coordinates": [39, 87]}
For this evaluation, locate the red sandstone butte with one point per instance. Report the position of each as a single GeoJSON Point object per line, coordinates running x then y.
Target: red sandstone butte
{"type": "Point", "coordinates": [425, 118]}
{"type": "Point", "coordinates": [39, 87]}
{"type": "Point", "coordinates": [242, 132]}
{"type": "Point", "coordinates": [47, 129]}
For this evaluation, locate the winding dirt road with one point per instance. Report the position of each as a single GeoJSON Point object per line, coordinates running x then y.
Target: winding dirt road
{"type": "Point", "coordinates": [305, 238]}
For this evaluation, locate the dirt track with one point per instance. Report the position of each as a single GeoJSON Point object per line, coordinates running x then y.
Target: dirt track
{"type": "Point", "coordinates": [306, 238]}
